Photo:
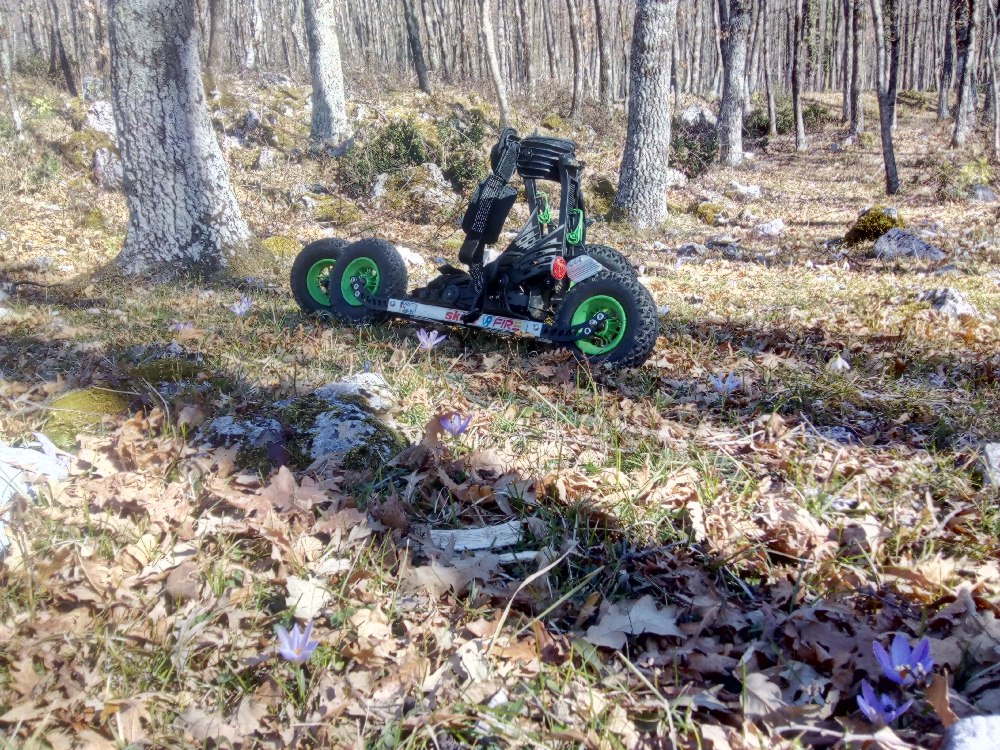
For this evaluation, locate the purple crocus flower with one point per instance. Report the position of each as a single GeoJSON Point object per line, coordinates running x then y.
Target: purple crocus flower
{"type": "Point", "coordinates": [903, 665]}
{"type": "Point", "coordinates": [880, 709]}
{"type": "Point", "coordinates": [455, 424]}
{"type": "Point", "coordinates": [242, 307]}
{"type": "Point", "coordinates": [726, 384]}
{"type": "Point", "coordinates": [296, 646]}
{"type": "Point", "coordinates": [429, 339]}
{"type": "Point", "coordinates": [182, 327]}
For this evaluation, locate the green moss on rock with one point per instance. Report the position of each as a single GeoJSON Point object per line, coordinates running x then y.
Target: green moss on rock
{"type": "Point", "coordinates": [169, 370]}
{"type": "Point", "coordinates": [553, 121]}
{"type": "Point", "coordinates": [872, 224]}
{"type": "Point", "coordinates": [81, 411]}
{"type": "Point", "coordinates": [79, 147]}
{"type": "Point", "coordinates": [282, 247]}
{"type": "Point", "coordinates": [337, 211]}
{"type": "Point", "coordinates": [94, 219]}
{"type": "Point", "coordinates": [707, 212]}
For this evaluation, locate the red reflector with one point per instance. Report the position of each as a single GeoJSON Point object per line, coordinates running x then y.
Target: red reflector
{"type": "Point", "coordinates": [559, 268]}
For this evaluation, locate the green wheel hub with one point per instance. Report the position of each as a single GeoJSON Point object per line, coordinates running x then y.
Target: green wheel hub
{"type": "Point", "coordinates": [367, 270]}
{"type": "Point", "coordinates": [318, 281]}
{"type": "Point", "coordinates": [605, 338]}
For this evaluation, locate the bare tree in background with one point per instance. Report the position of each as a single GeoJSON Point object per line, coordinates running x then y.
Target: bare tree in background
{"type": "Point", "coordinates": [993, 59]}
{"type": "Point", "coordinates": [948, 60]}
{"type": "Point", "coordinates": [887, 72]}
{"type": "Point", "coordinates": [857, 38]}
{"type": "Point", "coordinates": [183, 215]}
{"type": "Point", "coordinates": [329, 107]}
{"type": "Point", "coordinates": [577, 43]}
{"type": "Point", "coordinates": [604, 52]}
{"type": "Point", "coordinates": [6, 77]}
{"type": "Point", "coordinates": [734, 17]}
{"type": "Point", "coordinates": [801, 16]}
{"type": "Point", "coordinates": [213, 60]}
{"type": "Point", "coordinates": [490, 43]}
{"type": "Point", "coordinates": [528, 34]}
{"type": "Point", "coordinates": [642, 188]}
{"type": "Point", "coordinates": [970, 18]}
{"type": "Point", "coordinates": [416, 47]}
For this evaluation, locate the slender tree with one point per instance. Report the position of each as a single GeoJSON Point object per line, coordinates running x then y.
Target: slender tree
{"type": "Point", "coordinates": [886, 72]}
{"type": "Point", "coordinates": [642, 189]}
{"type": "Point", "coordinates": [604, 53]}
{"type": "Point", "coordinates": [857, 38]}
{"type": "Point", "coordinates": [801, 16]}
{"type": "Point", "coordinates": [416, 47]}
{"type": "Point", "coordinates": [490, 43]}
{"type": "Point", "coordinates": [329, 110]}
{"type": "Point", "coordinates": [7, 78]}
{"type": "Point", "coordinates": [576, 40]}
{"type": "Point", "coordinates": [183, 215]}
{"type": "Point", "coordinates": [948, 60]}
{"type": "Point", "coordinates": [734, 17]}
{"type": "Point", "coordinates": [528, 35]}
{"type": "Point", "coordinates": [965, 114]}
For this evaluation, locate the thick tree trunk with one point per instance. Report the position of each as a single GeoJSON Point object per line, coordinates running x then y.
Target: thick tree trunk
{"type": "Point", "coordinates": [801, 11]}
{"type": "Point", "coordinates": [642, 189]}
{"type": "Point", "coordinates": [329, 110]}
{"type": "Point", "coordinates": [183, 215]}
{"type": "Point", "coordinates": [886, 80]}
{"type": "Point", "coordinates": [734, 16]}
{"type": "Point", "coordinates": [7, 80]}
{"type": "Point", "coordinates": [577, 44]}
{"type": "Point", "coordinates": [965, 115]}
{"type": "Point", "coordinates": [948, 64]}
{"type": "Point", "coordinates": [490, 43]}
{"type": "Point", "coordinates": [857, 37]}
{"type": "Point", "coordinates": [416, 46]}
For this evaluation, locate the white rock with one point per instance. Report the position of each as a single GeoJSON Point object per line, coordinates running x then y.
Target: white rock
{"type": "Point", "coordinates": [983, 194]}
{"type": "Point", "coordinates": [948, 302]}
{"type": "Point", "coordinates": [410, 257]}
{"type": "Point", "coordinates": [974, 733]}
{"type": "Point", "coordinates": [109, 173]}
{"type": "Point", "coordinates": [674, 178]}
{"type": "Point", "coordinates": [699, 116]}
{"type": "Point", "coordinates": [379, 190]}
{"type": "Point", "coordinates": [746, 192]}
{"type": "Point", "coordinates": [991, 464]}
{"type": "Point", "coordinates": [773, 228]}
{"type": "Point", "coordinates": [101, 117]}
{"type": "Point", "coordinates": [369, 388]}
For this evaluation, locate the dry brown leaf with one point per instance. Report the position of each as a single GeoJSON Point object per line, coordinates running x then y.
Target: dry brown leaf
{"type": "Point", "coordinates": [182, 583]}
{"type": "Point", "coordinates": [761, 696]}
{"type": "Point", "coordinates": [632, 618]}
{"type": "Point", "coordinates": [937, 696]}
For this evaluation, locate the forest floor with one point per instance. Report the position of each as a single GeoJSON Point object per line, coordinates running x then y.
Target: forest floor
{"type": "Point", "coordinates": [710, 571]}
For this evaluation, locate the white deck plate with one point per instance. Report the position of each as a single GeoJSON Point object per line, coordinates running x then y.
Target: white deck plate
{"type": "Point", "coordinates": [488, 322]}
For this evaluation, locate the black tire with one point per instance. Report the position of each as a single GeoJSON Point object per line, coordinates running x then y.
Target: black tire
{"type": "Point", "coordinates": [317, 259]}
{"type": "Point", "coordinates": [379, 261]}
{"type": "Point", "coordinates": [633, 340]}
{"type": "Point", "coordinates": [611, 259]}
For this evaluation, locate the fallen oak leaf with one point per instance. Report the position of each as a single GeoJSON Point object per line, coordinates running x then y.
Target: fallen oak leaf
{"type": "Point", "coordinates": [761, 697]}
{"type": "Point", "coordinates": [937, 696]}
{"type": "Point", "coordinates": [632, 618]}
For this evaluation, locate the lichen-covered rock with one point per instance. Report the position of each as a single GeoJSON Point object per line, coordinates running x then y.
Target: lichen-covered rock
{"type": "Point", "coordinates": [367, 389]}
{"type": "Point", "coordinates": [108, 171]}
{"type": "Point", "coordinates": [698, 116]}
{"type": "Point", "coordinates": [949, 302]}
{"type": "Point", "coordinates": [82, 411]}
{"type": "Point", "coordinates": [896, 243]}
{"type": "Point", "coordinates": [708, 213]}
{"type": "Point", "coordinates": [991, 464]}
{"type": "Point", "coordinates": [973, 733]}
{"type": "Point", "coordinates": [874, 223]}
{"type": "Point", "coordinates": [101, 118]}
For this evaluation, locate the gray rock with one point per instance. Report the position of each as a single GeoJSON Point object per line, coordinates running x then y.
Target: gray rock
{"type": "Point", "coordinates": [379, 189]}
{"type": "Point", "coordinates": [947, 301]}
{"type": "Point", "coordinates": [247, 433]}
{"type": "Point", "coordinates": [436, 175]}
{"type": "Point", "coordinates": [366, 389]}
{"type": "Point", "coordinates": [699, 116]}
{"type": "Point", "coordinates": [774, 228]}
{"type": "Point", "coordinates": [723, 240]}
{"type": "Point", "coordinates": [746, 192]}
{"type": "Point", "coordinates": [109, 173]}
{"type": "Point", "coordinates": [266, 159]}
{"type": "Point", "coordinates": [692, 249]}
{"type": "Point", "coordinates": [984, 194]}
{"type": "Point", "coordinates": [836, 148]}
{"type": "Point", "coordinates": [974, 733]}
{"type": "Point", "coordinates": [674, 178]}
{"type": "Point", "coordinates": [898, 243]}
{"type": "Point", "coordinates": [949, 270]}
{"type": "Point", "coordinates": [991, 464]}
{"type": "Point", "coordinates": [101, 118]}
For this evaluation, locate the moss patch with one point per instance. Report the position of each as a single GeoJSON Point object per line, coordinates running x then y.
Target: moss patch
{"type": "Point", "coordinates": [79, 147]}
{"type": "Point", "coordinates": [282, 247]}
{"type": "Point", "coordinates": [707, 212]}
{"type": "Point", "coordinates": [170, 370]}
{"type": "Point", "coordinates": [872, 224]}
{"type": "Point", "coordinates": [82, 411]}
{"type": "Point", "coordinates": [337, 211]}
{"type": "Point", "coordinates": [553, 121]}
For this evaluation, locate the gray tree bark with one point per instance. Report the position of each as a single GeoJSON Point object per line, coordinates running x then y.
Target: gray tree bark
{"type": "Point", "coordinates": [577, 43]}
{"type": "Point", "coordinates": [857, 37]}
{"type": "Point", "coordinates": [604, 51]}
{"type": "Point", "coordinates": [734, 17]}
{"type": "Point", "coordinates": [490, 43]}
{"type": "Point", "coordinates": [948, 64]}
{"type": "Point", "coordinates": [7, 79]}
{"type": "Point", "coordinates": [183, 214]}
{"type": "Point", "coordinates": [772, 109]}
{"type": "Point", "coordinates": [528, 34]}
{"type": "Point", "coordinates": [416, 47]}
{"type": "Point", "coordinates": [213, 61]}
{"type": "Point", "coordinates": [886, 82]}
{"type": "Point", "coordinates": [329, 108]}
{"type": "Point", "coordinates": [801, 17]}
{"type": "Point", "coordinates": [965, 115]}
{"type": "Point", "coordinates": [642, 188]}
{"type": "Point", "coordinates": [256, 34]}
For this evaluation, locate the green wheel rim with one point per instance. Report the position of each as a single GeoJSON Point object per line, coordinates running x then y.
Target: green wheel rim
{"type": "Point", "coordinates": [318, 279]}
{"type": "Point", "coordinates": [367, 269]}
{"type": "Point", "coordinates": [607, 338]}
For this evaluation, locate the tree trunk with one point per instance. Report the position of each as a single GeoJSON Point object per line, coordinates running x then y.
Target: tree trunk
{"type": "Point", "coordinates": [948, 64]}
{"type": "Point", "coordinates": [604, 49]}
{"type": "Point", "coordinates": [801, 11]}
{"type": "Point", "coordinates": [734, 17]}
{"type": "Point", "coordinates": [183, 215]}
{"type": "Point", "coordinates": [886, 95]}
{"type": "Point", "coordinates": [7, 80]}
{"type": "Point", "coordinates": [857, 38]}
{"type": "Point", "coordinates": [60, 50]}
{"type": "Point", "coordinates": [994, 61]}
{"type": "Point", "coordinates": [642, 189]}
{"type": "Point", "coordinates": [528, 53]}
{"type": "Point", "coordinates": [490, 43]}
{"type": "Point", "coordinates": [965, 116]}
{"type": "Point", "coordinates": [329, 110]}
{"type": "Point", "coordinates": [577, 44]}
{"type": "Point", "coordinates": [256, 33]}
{"type": "Point", "coordinates": [213, 62]}
{"type": "Point", "coordinates": [772, 109]}
{"type": "Point", "coordinates": [416, 46]}
{"type": "Point", "coordinates": [848, 43]}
